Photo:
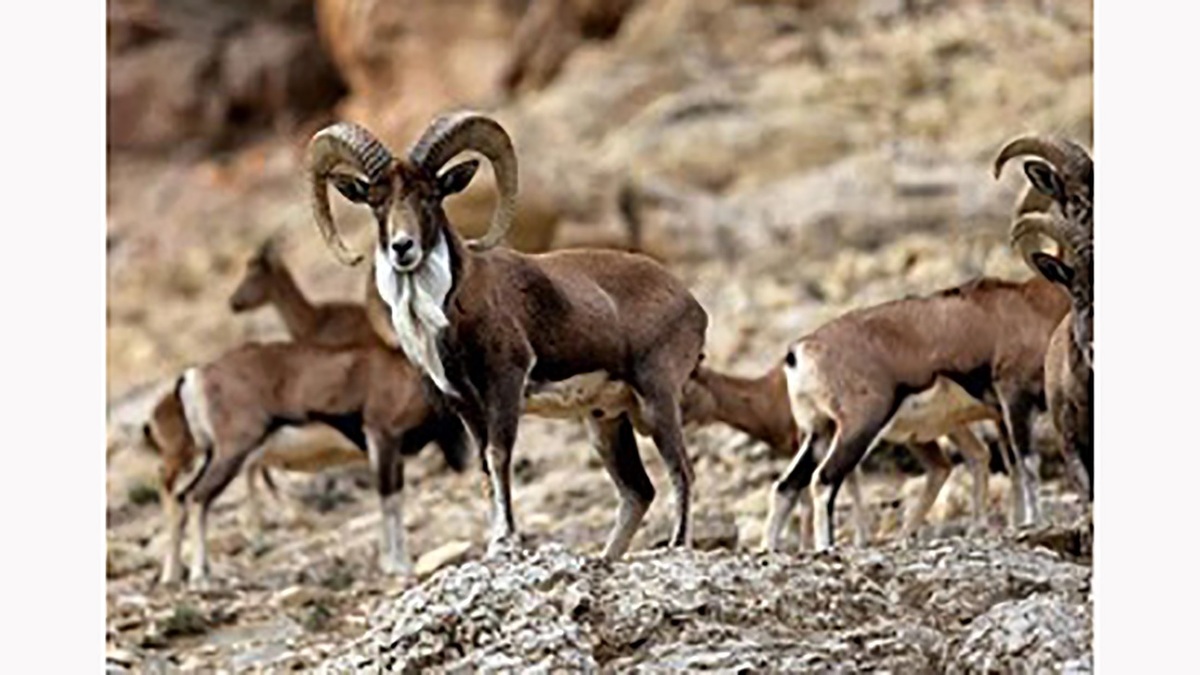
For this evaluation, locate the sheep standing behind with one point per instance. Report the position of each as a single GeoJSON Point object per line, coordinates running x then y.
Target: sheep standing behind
{"type": "Point", "coordinates": [224, 410]}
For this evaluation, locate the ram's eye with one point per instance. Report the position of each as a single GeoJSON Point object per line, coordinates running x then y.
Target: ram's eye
{"type": "Point", "coordinates": [354, 189]}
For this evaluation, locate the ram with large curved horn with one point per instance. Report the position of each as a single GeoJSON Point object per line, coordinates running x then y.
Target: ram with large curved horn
{"type": "Point", "coordinates": [602, 335]}
{"type": "Point", "coordinates": [1067, 365]}
{"type": "Point", "coordinates": [340, 147]}
{"type": "Point", "coordinates": [453, 134]}
{"type": "Point", "coordinates": [1065, 155]}
{"type": "Point", "coordinates": [1062, 173]}
{"type": "Point", "coordinates": [1025, 230]}
{"type": "Point", "coordinates": [1066, 180]}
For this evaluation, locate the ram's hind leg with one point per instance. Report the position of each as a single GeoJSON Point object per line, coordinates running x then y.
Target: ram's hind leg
{"type": "Point", "coordinates": [614, 440]}
{"type": "Point", "coordinates": [660, 410]}
{"type": "Point", "coordinates": [206, 489]}
{"type": "Point", "coordinates": [793, 487]}
{"type": "Point", "coordinates": [856, 434]}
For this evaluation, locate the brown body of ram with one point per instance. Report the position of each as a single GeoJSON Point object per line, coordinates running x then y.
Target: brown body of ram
{"type": "Point", "coordinates": [507, 323]}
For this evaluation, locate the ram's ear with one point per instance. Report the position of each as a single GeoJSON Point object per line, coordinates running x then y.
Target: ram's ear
{"type": "Point", "coordinates": [352, 188]}
{"type": "Point", "coordinates": [1046, 180]}
{"type": "Point", "coordinates": [457, 178]}
{"type": "Point", "coordinates": [1053, 269]}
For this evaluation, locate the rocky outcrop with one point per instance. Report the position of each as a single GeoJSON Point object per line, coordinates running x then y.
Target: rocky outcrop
{"type": "Point", "coordinates": [954, 605]}
{"type": "Point", "coordinates": [209, 73]}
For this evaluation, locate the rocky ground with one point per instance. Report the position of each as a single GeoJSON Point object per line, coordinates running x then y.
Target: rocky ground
{"type": "Point", "coordinates": [814, 157]}
{"type": "Point", "coordinates": [305, 592]}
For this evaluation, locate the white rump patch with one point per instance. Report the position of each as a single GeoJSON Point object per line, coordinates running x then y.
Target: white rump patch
{"type": "Point", "coordinates": [195, 409]}
{"type": "Point", "coordinates": [806, 388]}
{"type": "Point", "coordinates": [416, 300]}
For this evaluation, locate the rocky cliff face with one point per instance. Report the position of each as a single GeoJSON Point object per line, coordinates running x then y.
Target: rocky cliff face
{"type": "Point", "coordinates": [206, 74]}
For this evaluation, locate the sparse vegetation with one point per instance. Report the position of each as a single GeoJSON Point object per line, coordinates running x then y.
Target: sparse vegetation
{"type": "Point", "coordinates": [142, 493]}
{"type": "Point", "coordinates": [317, 617]}
{"type": "Point", "coordinates": [184, 620]}
{"type": "Point", "coordinates": [339, 576]}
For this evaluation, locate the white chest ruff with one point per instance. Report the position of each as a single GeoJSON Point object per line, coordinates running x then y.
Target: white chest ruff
{"type": "Point", "coordinates": [416, 300]}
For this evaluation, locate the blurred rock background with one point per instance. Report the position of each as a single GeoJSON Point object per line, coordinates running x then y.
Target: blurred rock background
{"type": "Point", "coordinates": [790, 159]}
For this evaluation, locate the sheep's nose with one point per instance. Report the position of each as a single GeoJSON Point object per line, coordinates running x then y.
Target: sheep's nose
{"type": "Point", "coordinates": [402, 246]}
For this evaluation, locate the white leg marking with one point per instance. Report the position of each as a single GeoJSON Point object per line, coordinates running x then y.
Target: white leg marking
{"type": "Point", "coordinates": [1016, 494]}
{"type": "Point", "coordinates": [783, 502]}
{"type": "Point", "coordinates": [823, 536]}
{"type": "Point", "coordinates": [501, 532]}
{"type": "Point", "coordinates": [173, 517]}
{"type": "Point", "coordinates": [806, 519]}
{"type": "Point", "coordinates": [1024, 480]}
{"type": "Point", "coordinates": [199, 570]}
{"type": "Point", "coordinates": [393, 552]}
{"type": "Point", "coordinates": [862, 524]}
{"type": "Point", "coordinates": [1031, 466]}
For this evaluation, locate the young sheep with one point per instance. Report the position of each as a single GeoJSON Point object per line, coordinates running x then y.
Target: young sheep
{"type": "Point", "coordinates": [224, 410]}
{"type": "Point", "coordinates": [848, 378]}
{"type": "Point", "coordinates": [1066, 181]}
{"type": "Point", "coordinates": [268, 281]}
{"type": "Point", "coordinates": [491, 326]}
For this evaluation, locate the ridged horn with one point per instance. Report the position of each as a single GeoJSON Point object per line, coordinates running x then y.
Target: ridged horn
{"type": "Point", "coordinates": [1023, 235]}
{"type": "Point", "coordinates": [1065, 156]}
{"type": "Point", "coordinates": [344, 144]}
{"type": "Point", "coordinates": [452, 134]}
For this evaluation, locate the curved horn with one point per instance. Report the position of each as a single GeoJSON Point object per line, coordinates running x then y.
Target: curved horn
{"type": "Point", "coordinates": [342, 144]}
{"type": "Point", "coordinates": [1062, 154]}
{"type": "Point", "coordinates": [454, 133]}
{"type": "Point", "coordinates": [1023, 235]}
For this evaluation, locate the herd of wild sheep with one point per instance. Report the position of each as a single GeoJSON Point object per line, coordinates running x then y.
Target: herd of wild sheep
{"type": "Point", "coordinates": [458, 338]}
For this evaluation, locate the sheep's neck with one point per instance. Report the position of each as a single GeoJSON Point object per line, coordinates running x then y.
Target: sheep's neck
{"type": "Point", "coordinates": [297, 312]}
{"type": "Point", "coordinates": [754, 406]}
